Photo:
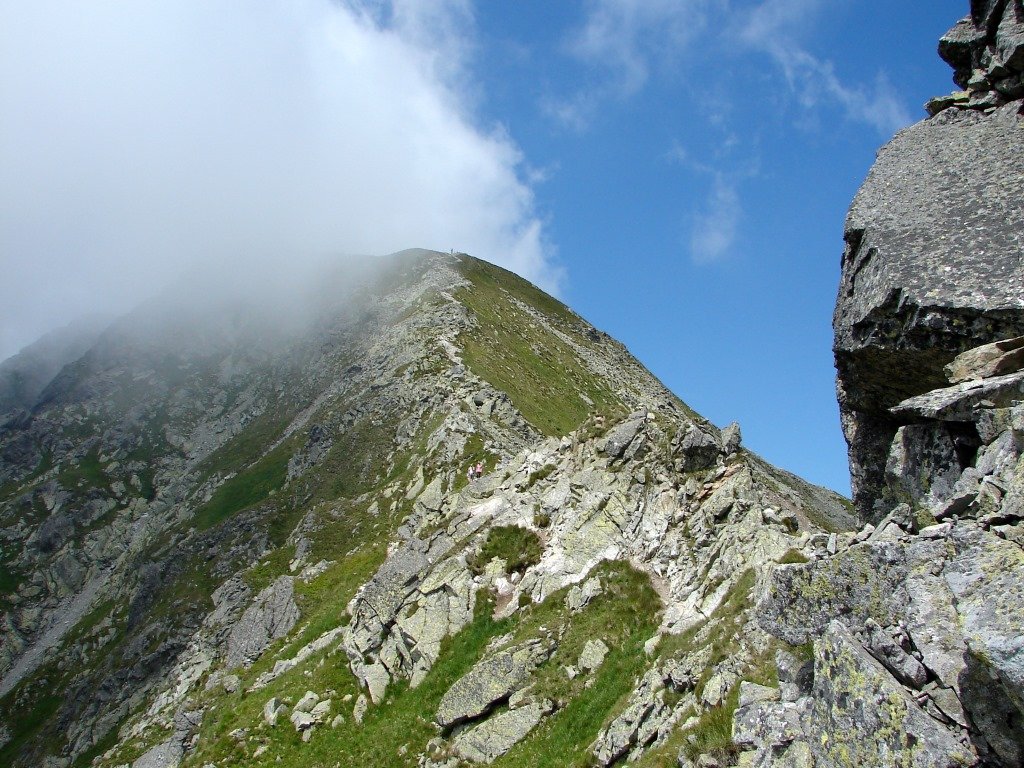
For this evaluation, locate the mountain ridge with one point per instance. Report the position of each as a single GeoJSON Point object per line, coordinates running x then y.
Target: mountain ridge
{"type": "Point", "coordinates": [221, 461]}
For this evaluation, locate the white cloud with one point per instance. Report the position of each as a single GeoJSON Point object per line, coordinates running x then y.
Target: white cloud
{"type": "Point", "coordinates": [140, 138]}
{"type": "Point", "coordinates": [714, 228]}
{"type": "Point", "coordinates": [623, 39]}
{"type": "Point", "coordinates": [773, 27]}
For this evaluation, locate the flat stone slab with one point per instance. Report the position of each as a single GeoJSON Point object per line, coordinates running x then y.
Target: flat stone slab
{"type": "Point", "coordinates": [497, 735]}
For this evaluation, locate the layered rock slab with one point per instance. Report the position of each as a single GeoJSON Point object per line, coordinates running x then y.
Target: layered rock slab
{"type": "Point", "coordinates": [932, 267]}
{"type": "Point", "coordinates": [864, 718]}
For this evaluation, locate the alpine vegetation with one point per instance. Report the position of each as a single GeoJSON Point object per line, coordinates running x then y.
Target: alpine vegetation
{"type": "Point", "coordinates": [437, 519]}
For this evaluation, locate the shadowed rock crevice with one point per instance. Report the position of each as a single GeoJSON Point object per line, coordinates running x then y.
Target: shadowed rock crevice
{"type": "Point", "coordinates": [996, 711]}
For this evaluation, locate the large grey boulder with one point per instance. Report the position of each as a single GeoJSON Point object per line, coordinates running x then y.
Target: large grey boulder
{"type": "Point", "coordinates": [497, 735]}
{"type": "Point", "coordinates": [866, 581]}
{"type": "Point", "coordinates": [271, 616]}
{"type": "Point", "coordinates": [620, 436]}
{"type": "Point", "coordinates": [863, 717]}
{"type": "Point", "coordinates": [932, 268]}
{"type": "Point", "coordinates": [490, 681]}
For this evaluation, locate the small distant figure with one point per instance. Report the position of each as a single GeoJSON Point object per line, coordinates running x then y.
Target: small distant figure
{"type": "Point", "coordinates": [479, 469]}
{"type": "Point", "coordinates": [470, 473]}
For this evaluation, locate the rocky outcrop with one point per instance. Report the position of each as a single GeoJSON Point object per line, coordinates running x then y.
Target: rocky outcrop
{"type": "Point", "coordinates": [916, 620]}
{"type": "Point", "coordinates": [866, 719]}
{"type": "Point", "coordinates": [934, 243]}
{"type": "Point", "coordinates": [986, 51]}
{"type": "Point", "coordinates": [270, 617]}
{"type": "Point", "coordinates": [490, 681]}
{"type": "Point", "coordinates": [921, 621]}
{"type": "Point", "coordinates": [168, 754]}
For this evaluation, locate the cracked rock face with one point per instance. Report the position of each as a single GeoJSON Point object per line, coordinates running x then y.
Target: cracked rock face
{"type": "Point", "coordinates": [271, 616]}
{"type": "Point", "coordinates": [933, 266]}
{"type": "Point", "coordinates": [865, 719]}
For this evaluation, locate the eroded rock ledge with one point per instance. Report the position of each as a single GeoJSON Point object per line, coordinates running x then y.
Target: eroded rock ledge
{"type": "Point", "coordinates": [934, 245]}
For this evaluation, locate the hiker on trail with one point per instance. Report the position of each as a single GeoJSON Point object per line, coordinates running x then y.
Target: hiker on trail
{"type": "Point", "coordinates": [479, 469]}
{"type": "Point", "coordinates": [469, 473]}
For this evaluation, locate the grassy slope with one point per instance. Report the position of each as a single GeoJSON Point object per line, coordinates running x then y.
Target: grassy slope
{"type": "Point", "coordinates": [550, 385]}
{"type": "Point", "coordinates": [396, 731]}
{"type": "Point", "coordinates": [541, 374]}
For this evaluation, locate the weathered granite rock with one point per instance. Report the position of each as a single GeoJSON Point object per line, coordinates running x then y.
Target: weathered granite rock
{"type": "Point", "coordinates": [931, 269]}
{"type": "Point", "coordinates": [645, 715]}
{"type": "Point", "coordinates": [168, 754]}
{"type": "Point", "coordinates": [592, 655]}
{"type": "Point", "coordinates": [579, 596]}
{"type": "Point", "coordinates": [986, 579]}
{"type": "Point", "coordinates": [307, 702]}
{"type": "Point", "coordinates": [405, 604]}
{"type": "Point", "coordinates": [497, 735]}
{"type": "Point", "coordinates": [303, 721]}
{"type": "Point", "coordinates": [959, 403]}
{"type": "Point", "coordinates": [995, 359]}
{"type": "Point", "coordinates": [271, 616]}
{"type": "Point", "coordinates": [731, 438]}
{"type": "Point", "coordinates": [986, 48]}
{"type": "Point", "coordinates": [901, 664]}
{"type": "Point", "coordinates": [865, 581]}
{"type": "Point", "coordinates": [699, 449]}
{"type": "Point", "coordinates": [923, 465]}
{"type": "Point", "coordinates": [865, 718]}
{"type": "Point", "coordinates": [620, 436]}
{"type": "Point", "coordinates": [272, 710]}
{"type": "Point", "coordinates": [490, 681]}
{"type": "Point", "coordinates": [772, 731]}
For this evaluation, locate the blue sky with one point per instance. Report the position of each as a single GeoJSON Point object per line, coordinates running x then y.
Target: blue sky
{"type": "Point", "coordinates": [697, 205]}
{"type": "Point", "coordinates": [677, 170]}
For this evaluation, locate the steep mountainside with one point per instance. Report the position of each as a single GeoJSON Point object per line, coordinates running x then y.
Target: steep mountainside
{"type": "Point", "coordinates": [918, 626]}
{"type": "Point", "coordinates": [254, 543]}
{"type": "Point", "coordinates": [436, 519]}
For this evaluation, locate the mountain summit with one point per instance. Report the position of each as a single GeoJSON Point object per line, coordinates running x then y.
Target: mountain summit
{"type": "Point", "coordinates": [416, 512]}
{"type": "Point", "coordinates": [440, 490]}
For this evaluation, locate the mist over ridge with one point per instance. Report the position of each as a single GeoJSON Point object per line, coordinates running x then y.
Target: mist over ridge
{"type": "Point", "coordinates": [145, 142]}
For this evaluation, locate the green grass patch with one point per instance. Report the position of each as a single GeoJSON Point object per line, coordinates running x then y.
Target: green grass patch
{"type": "Point", "coordinates": [245, 489]}
{"type": "Point", "coordinates": [247, 445]}
{"type": "Point", "coordinates": [9, 580]}
{"type": "Point", "coordinates": [624, 616]}
{"type": "Point", "coordinates": [542, 375]}
{"type": "Point", "coordinates": [713, 733]}
{"type": "Point", "coordinates": [540, 474]}
{"type": "Point", "coordinates": [87, 473]}
{"type": "Point", "coordinates": [792, 557]}
{"type": "Point", "coordinates": [26, 722]}
{"type": "Point", "coordinates": [518, 547]}
{"type": "Point", "coordinates": [360, 460]}
{"type": "Point", "coordinates": [272, 565]}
